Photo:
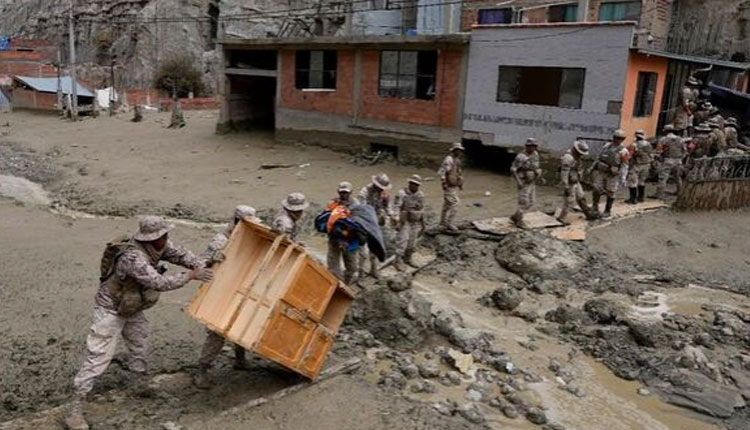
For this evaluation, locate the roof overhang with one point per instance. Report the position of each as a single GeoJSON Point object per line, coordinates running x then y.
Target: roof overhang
{"type": "Point", "coordinates": [349, 42]}
{"type": "Point", "coordinates": [695, 59]}
{"type": "Point", "coordinates": [556, 25]}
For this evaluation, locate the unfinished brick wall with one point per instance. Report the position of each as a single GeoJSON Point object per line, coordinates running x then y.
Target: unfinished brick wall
{"type": "Point", "coordinates": [337, 102]}
{"type": "Point", "coordinates": [656, 16]}
{"type": "Point", "coordinates": [441, 111]}
{"type": "Point", "coordinates": [30, 69]}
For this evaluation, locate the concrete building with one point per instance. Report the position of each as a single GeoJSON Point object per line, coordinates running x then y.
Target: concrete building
{"type": "Point", "coordinates": [403, 94]}
{"type": "Point", "coordinates": [557, 82]}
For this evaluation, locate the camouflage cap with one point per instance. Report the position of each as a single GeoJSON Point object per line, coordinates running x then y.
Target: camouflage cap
{"type": "Point", "coordinates": [382, 181]}
{"type": "Point", "coordinates": [151, 228]}
{"type": "Point", "coordinates": [702, 128]}
{"type": "Point", "coordinates": [243, 211]}
{"type": "Point", "coordinates": [640, 133]}
{"type": "Point", "coordinates": [295, 202]}
{"type": "Point", "coordinates": [732, 121]}
{"type": "Point", "coordinates": [457, 146]}
{"type": "Point", "coordinates": [345, 187]}
{"type": "Point", "coordinates": [581, 147]}
{"type": "Point", "coordinates": [531, 142]}
{"type": "Point", "coordinates": [619, 134]}
{"type": "Point", "coordinates": [669, 127]}
{"type": "Point", "coordinates": [415, 179]}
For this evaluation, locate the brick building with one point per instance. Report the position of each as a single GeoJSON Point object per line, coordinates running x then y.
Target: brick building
{"type": "Point", "coordinates": [396, 92]}
{"type": "Point", "coordinates": [41, 93]}
{"type": "Point", "coordinates": [28, 57]}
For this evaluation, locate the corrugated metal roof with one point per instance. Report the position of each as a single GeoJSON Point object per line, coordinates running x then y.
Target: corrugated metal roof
{"type": "Point", "coordinates": [49, 85]}
{"type": "Point", "coordinates": [695, 59]}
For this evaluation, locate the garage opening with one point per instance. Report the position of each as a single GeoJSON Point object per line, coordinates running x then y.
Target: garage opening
{"type": "Point", "coordinates": [252, 83]}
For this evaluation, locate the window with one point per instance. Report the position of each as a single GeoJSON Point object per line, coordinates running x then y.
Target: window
{"type": "Point", "coordinates": [316, 69]}
{"type": "Point", "coordinates": [563, 13]}
{"type": "Point", "coordinates": [408, 74]}
{"type": "Point", "coordinates": [547, 86]}
{"type": "Point", "coordinates": [620, 11]}
{"type": "Point", "coordinates": [644, 95]}
{"type": "Point", "coordinates": [495, 16]}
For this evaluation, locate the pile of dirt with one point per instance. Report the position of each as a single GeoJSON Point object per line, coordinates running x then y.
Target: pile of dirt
{"type": "Point", "coordinates": [464, 258]}
{"type": "Point", "coordinates": [25, 163]}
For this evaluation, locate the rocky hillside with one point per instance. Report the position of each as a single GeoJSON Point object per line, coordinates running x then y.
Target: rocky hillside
{"type": "Point", "coordinates": [137, 35]}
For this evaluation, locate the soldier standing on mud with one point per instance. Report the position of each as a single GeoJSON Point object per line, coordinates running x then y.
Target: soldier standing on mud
{"type": "Point", "coordinates": [451, 176]}
{"type": "Point", "coordinates": [287, 218]}
{"type": "Point", "coordinates": [376, 195]}
{"type": "Point", "coordinates": [571, 172]}
{"type": "Point", "coordinates": [640, 167]}
{"type": "Point", "coordinates": [215, 342]}
{"type": "Point", "coordinates": [130, 285]}
{"type": "Point", "coordinates": [336, 253]}
{"type": "Point", "coordinates": [671, 150]}
{"type": "Point", "coordinates": [408, 216]}
{"type": "Point", "coordinates": [526, 170]}
{"type": "Point", "coordinates": [610, 171]}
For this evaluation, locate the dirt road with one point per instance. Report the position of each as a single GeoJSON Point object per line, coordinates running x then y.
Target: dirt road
{"type": "Point", "coordinates": [109, 166]}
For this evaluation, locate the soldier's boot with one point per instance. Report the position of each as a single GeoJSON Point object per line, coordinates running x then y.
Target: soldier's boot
{"type": "Point", "coordinates": [201, 379]}
{"type": "Point", "coordinates": [587, 211]}
{"type": "Point", "coordinates": [641, 193]}
{"type": "Point", "coordinates": [399, 264]}
{"type": "Point", "coordinates": [517, 219]}
{"type": "Point", "coordinates": [608, 208]}
{"type": "Point", "coordinates": [633, 193]}
{"type": "Point", "coordinates": [596, 198]}
{"type": "Point", "coordinates": [75, 419]}
{"type": "Point", "coordinates": [240, 360]}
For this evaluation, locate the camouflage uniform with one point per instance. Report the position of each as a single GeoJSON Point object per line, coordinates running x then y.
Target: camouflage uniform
{"type": "Point", "coordinates": [380, 201]}
{"type": "Point", "coordinates": [408, 213]}
{"type": "Point", "coordinates": [672, 151]}
{"type": "Point", "coordinates": [718, 142]}
{"type": "Point", "coordinates": [336, 254]}
{"type": "Point", "coordinates": [526, 169]}
{"type": "Point", "coordinates": [283, 223]}
{"type": "Point", "coordinates": [608, 176]}
{"type": "Point", "coordinates": [136, 265]}
{"type": "Point", "coordinates": [451, 174]}
{"type": "Point", "coordinates": [642, 161]}
{"type": "Point", "coordinates": [570, 177]}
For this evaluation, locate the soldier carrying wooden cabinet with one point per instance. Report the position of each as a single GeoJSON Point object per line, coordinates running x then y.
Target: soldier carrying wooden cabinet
{"type": "Point", "coordinates": [131, 281]}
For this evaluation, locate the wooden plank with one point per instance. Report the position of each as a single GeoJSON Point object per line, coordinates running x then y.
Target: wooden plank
{"type": "Point", "coordinates": [574, 232]}
{"type": "Point", "coordinates": [503, 225]}
{"type": "Point", "coordinates": [328, 373]}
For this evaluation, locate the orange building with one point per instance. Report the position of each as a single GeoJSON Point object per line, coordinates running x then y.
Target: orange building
{"type": "Point", "coordinates": [642, 96]}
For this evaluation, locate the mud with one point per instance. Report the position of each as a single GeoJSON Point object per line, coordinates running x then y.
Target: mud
{"type": "Point", "coordinates": [598, 322]}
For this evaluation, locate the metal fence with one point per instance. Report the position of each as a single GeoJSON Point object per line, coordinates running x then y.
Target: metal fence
{"type": "Point", "coordinates": [716, 183]}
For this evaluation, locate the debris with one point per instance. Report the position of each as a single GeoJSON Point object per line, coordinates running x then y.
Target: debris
{"type": "Point", "coordinates": [169, 425]}
{"type": "Point", "coordinates": [644, 391]}
{"type": "Point", "coordinates": [269, 166]}
{"type": "Point", "coordinates": [472, 413]}
{"type": "Point", "coordinates": [536, 416]}
{"type": "Point", "coordinates": [506, 298]}
{"type": "Point", "coordinates": [462, 362]}
{"type": "Point", "coordinates": [429, 370]}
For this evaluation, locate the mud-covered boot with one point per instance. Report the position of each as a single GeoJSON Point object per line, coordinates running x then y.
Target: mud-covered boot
{"type": "Point", "coordinates": [201, 379]}
{"type": "Point", "coordinates": [517, 219]}
{"type": "Point", "coordinates": [608, 208]}
{"type": "Point", "coordinates": [587, 210]}
{"type": "Point", "coordinates": [633, 196]}
{"type": "Point", "coordinates": [595, 204]}
{"type": "Point", "coordinates": [399, 264]}
{"type": "Point", "coordinates": [240, 359]}
{"type": "Point", "coordinates": [409, 260]}
{"type": "Point", "coordinates": [641, 194]}
{"type": "Point", "coordinates": [75, 419]}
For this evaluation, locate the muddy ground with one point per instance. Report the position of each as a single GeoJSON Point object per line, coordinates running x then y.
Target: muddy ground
{"type": "Point", "coordinates": [616, 334]}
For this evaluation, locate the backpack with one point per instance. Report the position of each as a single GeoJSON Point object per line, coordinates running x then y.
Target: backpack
{"type": "Point", "coordinates": [610, 155]}
{"type": "Point", "coordinates": [112, 252]}
{"type": "Point", "coordinates": [130, 298]}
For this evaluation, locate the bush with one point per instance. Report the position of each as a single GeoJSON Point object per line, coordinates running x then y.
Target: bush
{"type": "Point", "coordinates": [180, 73]}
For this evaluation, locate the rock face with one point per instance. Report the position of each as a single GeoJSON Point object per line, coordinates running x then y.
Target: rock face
{"type": "Point", "coordinates": [137, 46]}
{"type": "Point", "coordinates": [534, 254]}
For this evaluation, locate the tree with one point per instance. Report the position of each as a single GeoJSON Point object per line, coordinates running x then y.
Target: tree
{"type": "Point", "coordinates": [181, 76]}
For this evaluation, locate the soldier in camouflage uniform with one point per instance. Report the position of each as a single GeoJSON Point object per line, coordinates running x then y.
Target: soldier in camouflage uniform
{"type": "Point", "coordinates": [718, 138]}
{"type": "Point", "coordinates": [408, 216]}
{"type": "Point", "coordinates": [571, 172]}
{"type": "Point", "coordinates": [376, 195]}
{"type": "Point", "coordinates": [287, 218]}
{"type": "Point", "coordinates": [671, 151]}
{"type": "Point", "coordinates": [215, 342]}
{"type": "Point", "coordinates": [683, 118]}
{"type": "Point", "coordinates": [733, 141]}
{"type": "Point", "coordinates": [704, 141]}
{"type": "Point", "coordinates": [451, 176]}
{"type": "Point", "coordinates": [640, 166]}
{"type": "Point", "coordinates": [526, 170]}
{"type": "Point", "coordinates": [134, 268]}
{"type": "Point", "coordinates": [337, 253]}
{"type": "Point", "coordinates": [610, 171]}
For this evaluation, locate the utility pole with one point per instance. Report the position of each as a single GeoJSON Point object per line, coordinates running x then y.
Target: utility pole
{"type": "Point", "coordinates": [72, 61]}
{"type": "Point", "coordinates": [112, 89]}
{"type": "Point", "coordinates": [59, 80]}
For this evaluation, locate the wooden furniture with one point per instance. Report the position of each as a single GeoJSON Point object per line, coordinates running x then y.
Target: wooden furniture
{"type": "Point", "coordinates": [272, 298]}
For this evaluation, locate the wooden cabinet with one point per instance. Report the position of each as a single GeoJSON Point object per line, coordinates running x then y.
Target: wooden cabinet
{"type": "Point", "coordinates": [272, 298]}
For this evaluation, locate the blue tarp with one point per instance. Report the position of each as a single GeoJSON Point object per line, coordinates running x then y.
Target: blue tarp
{"type": "Point", "coordinates": [4, 43]}
{"type": "Point", "coordinates": [364, 220]}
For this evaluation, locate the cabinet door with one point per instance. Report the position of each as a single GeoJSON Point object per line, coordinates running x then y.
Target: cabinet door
{"type": "Point", "coordinates": [311, 290]}
{"type": "Point", "coordinates": [316, 353]}
{"type": "Point", "coordinates": [286, 337]}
